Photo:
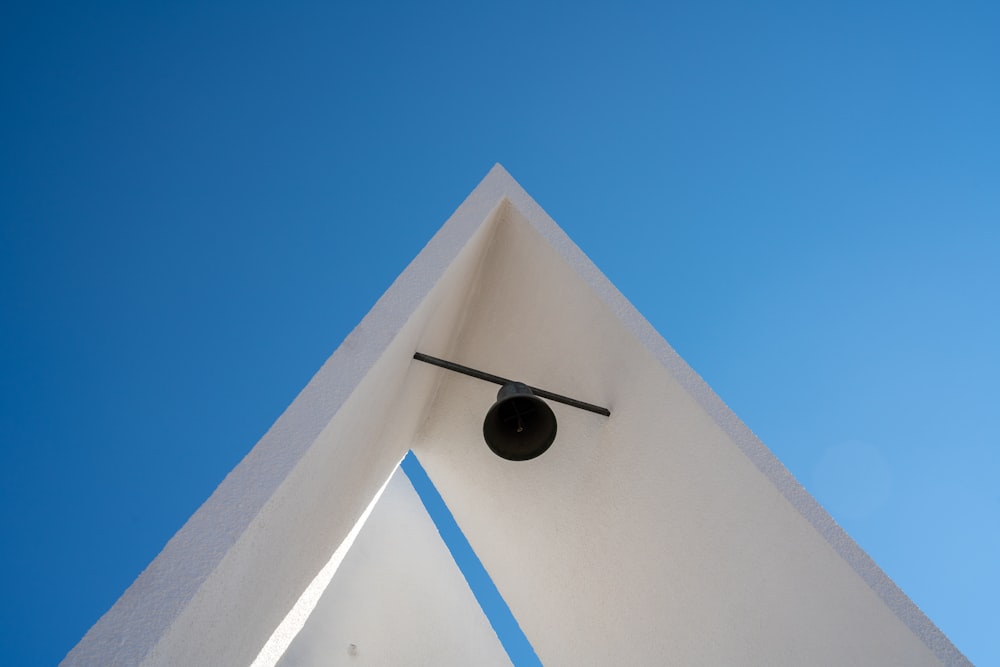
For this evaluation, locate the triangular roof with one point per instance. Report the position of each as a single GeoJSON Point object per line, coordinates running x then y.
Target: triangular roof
{"type": "Point", "coordinates": [667, 531]}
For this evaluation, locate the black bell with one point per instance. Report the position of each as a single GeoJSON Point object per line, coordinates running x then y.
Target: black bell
{"type": "Point", "coordinates": [519, 426]}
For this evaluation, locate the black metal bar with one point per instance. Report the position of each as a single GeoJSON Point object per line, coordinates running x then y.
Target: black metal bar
{"type": "Point", "coordinates": [496, 379]}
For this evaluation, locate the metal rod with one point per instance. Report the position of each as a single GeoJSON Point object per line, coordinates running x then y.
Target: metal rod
{"type": "Point", "coordinates": [496, 379]}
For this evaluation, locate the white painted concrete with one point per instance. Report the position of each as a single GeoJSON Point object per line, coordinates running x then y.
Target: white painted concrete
{"type": "Point", "coordinates": [665, 534]}
{"type": "Point", "coordinates": [397, 599]}
{"type": "Point", "coordinates": [297, 617]}
{"type": "Point", "coordinates": [659, 534]}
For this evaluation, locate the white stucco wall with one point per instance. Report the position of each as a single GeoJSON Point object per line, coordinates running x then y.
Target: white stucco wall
{"type": "Point", "coordinates": [647, 537]}
{"type": "Point", "coordinates": [398, 598]}
{"type": "Point", "coordinates": [667, 533]}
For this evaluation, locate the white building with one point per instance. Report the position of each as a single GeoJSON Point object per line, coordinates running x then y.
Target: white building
{"type": "Point", "coordinates": [663, 534]}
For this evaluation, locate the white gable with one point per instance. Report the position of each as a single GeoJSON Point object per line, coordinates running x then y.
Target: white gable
{"type": "Point", "coordinates": [666, 532]}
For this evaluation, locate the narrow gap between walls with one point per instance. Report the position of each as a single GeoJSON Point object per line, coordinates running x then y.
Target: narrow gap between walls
{"type": "Point", "coordinates": [295, 620]}
{"type": "Point", "coordinates": [512, 638]}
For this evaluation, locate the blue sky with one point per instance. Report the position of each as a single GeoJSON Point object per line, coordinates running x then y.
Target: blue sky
{"type": "Point", "coordinates": [198, 201]}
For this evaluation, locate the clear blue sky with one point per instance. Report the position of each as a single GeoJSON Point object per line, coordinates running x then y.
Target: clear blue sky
{"type": "Point", "coordinates": [198, 201]}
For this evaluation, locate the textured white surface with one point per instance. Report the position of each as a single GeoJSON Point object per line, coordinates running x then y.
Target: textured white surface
{"type": "Point", "coordinates": [667, 533]}
{"type": "Point", "coordinates": [290, 626]}
{"type": "Point", "coordinates": [398, 599]}
{"type": "Point", "coordinates": [660, 533]}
